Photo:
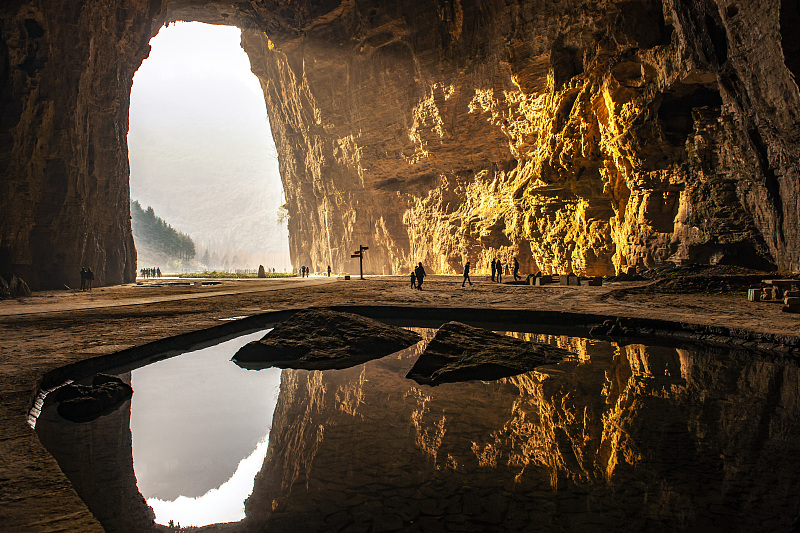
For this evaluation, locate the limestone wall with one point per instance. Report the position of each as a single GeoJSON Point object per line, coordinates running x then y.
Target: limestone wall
{"type": "Point", "coordinates": [578, 136]}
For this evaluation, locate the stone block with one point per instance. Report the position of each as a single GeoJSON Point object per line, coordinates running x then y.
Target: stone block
{"type": "Point", "coordinates": [792, 301]}
{"type": "Point", "coordinates": [347, 278]}
{"type": "Point", "coordinates": [544, 280]}
{"type": "Point", "coordinates": [766, 294]}
{"type": "Point", "coordinates": [573, 280]}
{"type": "Point", "coordinates": [754, 295]}
{"type": "Point", "coordinates": [791, 294]}
{"type": "Point", "coordinates": [791, 309]}
{"type": "Point", "coordinates": [596, 281]}
{"type": "Point", "coordinates": [563, 279]}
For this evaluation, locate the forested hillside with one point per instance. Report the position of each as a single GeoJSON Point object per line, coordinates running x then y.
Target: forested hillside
{"type": "Point", "coordinates": [156, 241]}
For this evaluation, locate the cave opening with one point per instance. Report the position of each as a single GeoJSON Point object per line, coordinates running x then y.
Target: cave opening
{"type": "Point", "coordinates": [790, 37]}
{"type": "Point", "coordinates": [202, 156]}
{"type": "Point", "coordinates": [675, 112]}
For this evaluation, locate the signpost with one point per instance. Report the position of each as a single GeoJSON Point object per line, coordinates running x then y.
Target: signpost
{"type": "Point", "coordinates": [360, 254]}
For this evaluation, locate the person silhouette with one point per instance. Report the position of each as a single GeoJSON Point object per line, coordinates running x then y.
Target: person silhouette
{"type": "Point", "coordinates": [420, 272]}
{"type": "Point", "coordinates": [466, 275]}
{"type": "Point", "coordinates": [516, 270]}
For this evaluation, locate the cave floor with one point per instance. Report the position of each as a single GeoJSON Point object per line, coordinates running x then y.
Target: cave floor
{"type": "Point", "coordinates": [54, 328]}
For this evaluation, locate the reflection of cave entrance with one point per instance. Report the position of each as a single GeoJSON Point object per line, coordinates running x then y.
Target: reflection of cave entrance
{"type": "Point", "coordinates": [202, 155]}
{"type": "Point", "coordinates": [790, 37]}
{"type": "Point", "coordinates": [675, 112]}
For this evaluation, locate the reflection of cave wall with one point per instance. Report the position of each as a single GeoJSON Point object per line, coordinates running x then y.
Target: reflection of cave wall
{"type": "Point", "coordinates": [97, 458]}
{"type": "Point", "coordinates": [434, 132]}
{"type": "Point", "coordinates": [659, 438]}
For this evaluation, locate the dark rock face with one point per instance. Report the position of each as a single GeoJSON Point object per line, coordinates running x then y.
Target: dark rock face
{"type": "Point", "coordinates": [578, 136]}
{"type": "Point", "coordinates": [656, 438]}
{"type": "Point", "coordinates": [83, 403]}
{"type": "Point", "coordinates": [319, 339]}
{"type": "Point", "coordinates": [459, 352]}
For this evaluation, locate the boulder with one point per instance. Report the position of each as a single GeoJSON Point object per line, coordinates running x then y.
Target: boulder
{"type": "Point", "coordinates": [262, 273]}
{"type": "Point", "coordinates": [321, 339]}
{"type": "Point", "coordinates": [5, 292]}
{"type": "Point", "coordinates": [84, 403]}
{"type": "Point", "coordinates": [18, 288]}
{"type": "Point", "coordinates": [459, 352]}
{"type": "Point", "coordinates": [611, 328]}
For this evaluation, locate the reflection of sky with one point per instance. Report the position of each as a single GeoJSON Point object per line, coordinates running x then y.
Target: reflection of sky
{"type": "Point", "coordinates": [195, 421]}
{"type": "Point", "coordinates": [224, 504]}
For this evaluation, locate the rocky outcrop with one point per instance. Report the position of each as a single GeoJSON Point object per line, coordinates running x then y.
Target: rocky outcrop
{"type": "Point", "coordinates": [84, 403]}
{"type": "Point", "coordinates": [320, 339]}
{"type": "Point", "coordinates": [459, 352]}
{"type": "Point", "coordinates": [578, 136]}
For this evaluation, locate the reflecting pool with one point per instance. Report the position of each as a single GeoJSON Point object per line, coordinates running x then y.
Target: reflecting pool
{"type": "Point", "coordinates": [629, 437]}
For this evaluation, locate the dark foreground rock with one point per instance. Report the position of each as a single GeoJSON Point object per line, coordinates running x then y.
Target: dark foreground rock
{"type": "Point", "coordinates": [321, 339]}
{"type": "Point", "coordinates": [463, 353]}
{"type": "Point", "coordinates": [84, 403]}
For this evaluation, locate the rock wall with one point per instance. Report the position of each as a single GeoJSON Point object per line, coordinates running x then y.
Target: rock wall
{"type": "Point", "coordinates": [578, 136]}
{"type": "Point", "coordinates": [65, 76]}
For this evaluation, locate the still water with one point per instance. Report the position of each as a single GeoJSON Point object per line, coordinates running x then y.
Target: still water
{"type": "Point", "coordinates": [625, 437]}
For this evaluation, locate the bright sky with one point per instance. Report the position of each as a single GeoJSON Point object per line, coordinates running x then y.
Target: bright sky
{"type": "Point", "coordinates": [200, 147]}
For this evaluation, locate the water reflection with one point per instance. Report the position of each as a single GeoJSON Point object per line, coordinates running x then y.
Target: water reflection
{"type": "Point", "coordinates": [631, 437]}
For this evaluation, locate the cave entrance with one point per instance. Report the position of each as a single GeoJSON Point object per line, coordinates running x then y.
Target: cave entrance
{"type": "Point", "coordinates": [790, 38]}
{"type": "Point", "coordinates": [202, 156]}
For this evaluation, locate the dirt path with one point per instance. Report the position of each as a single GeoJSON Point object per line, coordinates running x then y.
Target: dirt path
{"type": "Point", "coordinates": [52, 329]}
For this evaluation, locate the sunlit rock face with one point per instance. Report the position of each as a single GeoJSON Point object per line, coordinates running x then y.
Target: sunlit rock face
{"type": "Point", "coordinates": [575, 135]}
{"type": "Point", "coordinates": [658, 439]}
{"type": "Point", "coordinates": [579, 136]}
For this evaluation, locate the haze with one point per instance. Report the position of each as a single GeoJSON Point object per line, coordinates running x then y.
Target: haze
{"type": "Point", "coordinates": [200, 148]}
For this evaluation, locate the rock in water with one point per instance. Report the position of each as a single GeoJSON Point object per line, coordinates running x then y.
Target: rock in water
{"type": "Point", "coordinates": [84, 403]}
{"type": "Point", "coordinates": [321, 339]}
{"type": "Point", "coordinates": [463, 353]}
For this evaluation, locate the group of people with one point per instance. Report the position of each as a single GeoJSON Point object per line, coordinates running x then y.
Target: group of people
{"type": "Point", "coordinates": [304, 271]}
{"type": "Point", "coordinates": [154, 272]}
{"type": "Point", "coordinates": [87, 277]}
{"type": "Point", "coordinates": [497, 270]}
{"type": "Point", "coordinates": [417, 277]}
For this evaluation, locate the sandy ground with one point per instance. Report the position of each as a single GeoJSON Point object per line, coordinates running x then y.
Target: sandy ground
{"type": "Point", "coordinates": [52, 329]}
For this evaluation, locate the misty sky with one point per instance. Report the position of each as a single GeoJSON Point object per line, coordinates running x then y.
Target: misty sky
{"type": "Point", "coordinates": [200, 148]}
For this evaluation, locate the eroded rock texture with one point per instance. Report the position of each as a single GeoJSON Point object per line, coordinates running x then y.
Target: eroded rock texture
{"type": "Point", "coordinates": [577, 135]}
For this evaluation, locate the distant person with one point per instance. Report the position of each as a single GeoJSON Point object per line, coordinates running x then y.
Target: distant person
{"type": "Point", "coordinates": [329, 271]}
{"type": "Point", "coordinates": [89, 278]}
{"type": "Point", "coordinates": [494, 268]}
{"type": "Point", "coordinates": [466, 275]}
{"type": "Point", "coordinates": [158, 272]}
{"type": "Point", "coordinates": [499, 266]}
{"type": "Point", "coordinates": [413, 280]}
{"type": "Point", "coordinates": [83, 279]}
{"type": "Point", "coordinates": [516, 270]}
{"type": "Point", "coordinates": [420, 272]}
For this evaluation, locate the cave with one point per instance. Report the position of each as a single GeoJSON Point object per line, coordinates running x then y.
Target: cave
{"type": "Point", "coordinates": [364, 99]}
{"type": "Point", "coordinates": [675, 112]}
{"type": "Point", "coordinates": [790, 40]}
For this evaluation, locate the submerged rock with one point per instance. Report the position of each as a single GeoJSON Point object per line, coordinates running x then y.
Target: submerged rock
{"type": "Point", "coordinates": [321, 339]}
{"type": "Point", "coordinates": [84, 403]}
{"type": "Point", "coordinates": [459, 352]}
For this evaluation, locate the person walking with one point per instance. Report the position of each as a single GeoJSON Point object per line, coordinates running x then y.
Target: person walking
{"type": "Point", "coordinates": [494, 268]}
{"type": "Point", "coordinates": [329, 271]}
{"type": "Point", "coordinates": [516, 270]}
{"type": "Point", "coordinates": [420, 272]}
{"type": "Point", "coordinates": [89, 278]}
{"type": "Point", "coordinates": [499, 267]}
{"type": "Point", "coordinates": [83, 279]}
{"type": "Point", "coordinates": [466, 275]}
{"type": "Point", "coordinates": [413, 280]}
